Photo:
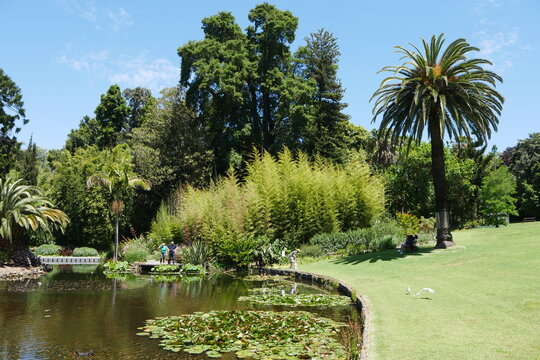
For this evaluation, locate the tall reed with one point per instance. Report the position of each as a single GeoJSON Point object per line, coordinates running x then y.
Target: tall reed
{"type": "Point", "coordinates": [284, 197]}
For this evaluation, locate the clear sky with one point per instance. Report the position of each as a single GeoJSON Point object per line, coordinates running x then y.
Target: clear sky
{"type": "Point", "coordinates": [64, 54]}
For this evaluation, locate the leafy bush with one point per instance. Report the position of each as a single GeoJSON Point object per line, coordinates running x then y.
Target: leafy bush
{"type": "Point", "coordinates": [136, 253]}
{"type": "Point", "coordinates": [410, 223]}
{"type": "Point", "coordinates": [197, 253]}
{"type": "Point", "coordinates": [165, 228]}
{"type": "Point", "coordinates": [85, 251]}
{"type": "Point", "coordinates": [313, 251]}
{"type": "Point", "coordinates": [427, 225]}
{"type": "Point", "coordinates": [165, 268]}
{"type": "Point", "coordinates": [385, 233]}
{"type": "Point", "coordinates": [48, 249]}
{"type": "Point", "coordinates": [116, 266]}
{"type": "Point", "coordinates": [140, 242]}
{"type": "Point", "coordinates": [192, 269]}
{"type": "Point", "coordinates": [238, 252]}
{"type": "Point", "coordinates": [266, 252]}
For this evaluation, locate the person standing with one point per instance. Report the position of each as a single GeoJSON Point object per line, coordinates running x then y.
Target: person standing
{"type": "Point", "coordinates": [172, 249]}
{"type": "Point", "coordinates": [163, 251]}
{"type": "Point", "coordinates": [292, 258]}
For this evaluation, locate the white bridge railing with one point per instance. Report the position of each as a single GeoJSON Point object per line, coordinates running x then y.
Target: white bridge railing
{"type": "Point", "coordinates": [75, 260]}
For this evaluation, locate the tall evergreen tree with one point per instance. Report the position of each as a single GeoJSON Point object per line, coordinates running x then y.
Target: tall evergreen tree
{"type": "Point", "coordinates": [111, 117]}
{"type": "Point", "coordinates": [28, 164]}
{"type": "Point", "coordinates": [11, 110]}
{"type": "Point", "coordinates": [327, 134]}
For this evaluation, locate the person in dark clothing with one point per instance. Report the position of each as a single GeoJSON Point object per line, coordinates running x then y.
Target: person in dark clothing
{"type": "Point", "coordinates": [172, 249]}
{"type": "Point", "coordinates": [410, 243]}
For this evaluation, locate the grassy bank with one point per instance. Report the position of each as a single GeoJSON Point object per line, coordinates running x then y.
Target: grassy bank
{"type": "Point", "coordinates": [486, 305]}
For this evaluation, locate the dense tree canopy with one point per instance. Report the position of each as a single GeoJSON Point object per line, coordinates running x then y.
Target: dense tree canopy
{"type": "Point", "coordinates": [496, 196]}
{"type": "Point", "coordinates": [248, 90]}
{"type": "Point", "coordinates": [11, 111]}
{"type": "Point", "coordinates": [524, 163]}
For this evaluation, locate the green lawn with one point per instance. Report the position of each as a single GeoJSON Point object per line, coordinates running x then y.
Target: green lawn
{"type": "Point", "coordinates": [486, 305]}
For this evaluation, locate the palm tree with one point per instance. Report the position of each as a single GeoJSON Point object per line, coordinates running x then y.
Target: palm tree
{"type": "Point", "coordinates": [117, 177]}
{"type": "Point", "coordinates": [24, 208]}
{"type": "Point", "coordinates": [438, 91]}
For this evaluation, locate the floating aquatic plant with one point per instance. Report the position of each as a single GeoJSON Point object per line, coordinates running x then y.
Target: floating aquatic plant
{"type": "Point", "coordinates": [166, 268]}
{"type": "Point", "coordinates": [297, 299]}
{"type": "Point", "coordinates": [249, 334]}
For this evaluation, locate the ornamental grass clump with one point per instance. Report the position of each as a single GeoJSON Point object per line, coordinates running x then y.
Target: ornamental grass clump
{"type": "Point", "coordinates": [48, 250]}
{"type": "Point", "coordinates": [249, 334]}
{"type": "Point", "coordinates": [287, 197]}
{"type": "Point", "coordinates": [85, 251]}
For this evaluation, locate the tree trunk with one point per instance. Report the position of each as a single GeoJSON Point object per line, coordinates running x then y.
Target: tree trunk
{"type": "Point", "coordinates": [444, 237]}
{"type": "Point", "coordinates": [268, 126]}
{"type": "Point", "coordinates": [116, 238]}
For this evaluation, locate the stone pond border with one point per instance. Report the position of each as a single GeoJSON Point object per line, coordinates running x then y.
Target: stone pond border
{"type": "Point", "coordinates": [361, 303]}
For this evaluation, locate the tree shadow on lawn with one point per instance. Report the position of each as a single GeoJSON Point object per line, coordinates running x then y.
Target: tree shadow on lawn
{"type": "Point", "coordinates": [385, 255]}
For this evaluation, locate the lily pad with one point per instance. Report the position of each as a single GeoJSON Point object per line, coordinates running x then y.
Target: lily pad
{"type": "Point", "coordinates": [297, 299]}
{"type": "Point", "coordinates": [252, 334]}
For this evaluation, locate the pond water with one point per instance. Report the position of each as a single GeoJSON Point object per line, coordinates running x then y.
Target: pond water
{"type": "Point", "coordinates": [77, 308]}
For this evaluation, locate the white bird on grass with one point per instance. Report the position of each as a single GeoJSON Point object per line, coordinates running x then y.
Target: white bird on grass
{"type": "Point", "coordinates": [425, 289]}
{"type": "Point", "coordinates": [408, 290]}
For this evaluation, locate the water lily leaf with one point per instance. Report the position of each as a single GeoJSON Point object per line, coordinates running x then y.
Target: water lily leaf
{"type": "Point", "coordinates": [213, 354]}
{"type": "Point", "coordinates": [197, 349]}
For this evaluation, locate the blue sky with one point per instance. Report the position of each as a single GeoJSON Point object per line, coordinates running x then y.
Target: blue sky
{"type": "Point", "coordinates": [64, 54]}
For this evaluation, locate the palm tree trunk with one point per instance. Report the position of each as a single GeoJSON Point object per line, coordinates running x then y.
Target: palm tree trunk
{"type": "Point", "coordinates": [444, 237]}
{"type": "Point", "coordinates": [116, 238]}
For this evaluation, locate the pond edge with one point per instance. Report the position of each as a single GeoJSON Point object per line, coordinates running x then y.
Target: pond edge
{"type": "Point", "coordinates": [360, 302]}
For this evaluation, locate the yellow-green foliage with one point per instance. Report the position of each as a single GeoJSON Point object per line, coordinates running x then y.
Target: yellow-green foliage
{"type": "Point", "coordinates": [409, 222]}
{"type": "Point", "coordinates": [282, 197]}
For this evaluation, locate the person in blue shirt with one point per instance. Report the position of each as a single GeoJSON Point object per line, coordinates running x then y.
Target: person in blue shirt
{"type": "Point", "coordinates": [163, 251]}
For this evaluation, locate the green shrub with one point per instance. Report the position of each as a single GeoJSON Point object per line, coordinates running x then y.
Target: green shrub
{"type": "Point", "coordinates": [385, 233]}
{"type": "Point", "coordinates": [330, 243]}
{"type": "Point", "coordinates": [267, 252]}
{"type": "Point", "coordinates": [409, 223]}
{"type": "Point", "coordinates": [85, 251]}
{"type": "Point", "coordinates": [193, 269]}
{"type": "Point", "coordinates": [116, 266]}
{"type": "Point", "coordinates": [197, 253]}
{"type": "Point", "coordinates": [427, 225]}
{"type": "Point", "coordinates": [238, 252]}
{"type": "Point", "coordinates": [313, 251]}
{"type": "Point", "coordinates": [138, 242]}
{"type": "Point", "coordinates": [165, 228]}
{"type": "Point", "coordinates": [136, 254]}
{"type": "Point", "coordinates": [48, 249]}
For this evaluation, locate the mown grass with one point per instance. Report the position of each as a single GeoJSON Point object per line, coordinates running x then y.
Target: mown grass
{"type": "Point", "coordinates": [486, 305]}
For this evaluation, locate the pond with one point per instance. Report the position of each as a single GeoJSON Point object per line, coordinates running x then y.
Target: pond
{"type": "Point", "coordinates": [77, 308]}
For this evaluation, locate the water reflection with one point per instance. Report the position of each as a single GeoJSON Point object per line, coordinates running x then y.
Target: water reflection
{"type": "Point", "coordinates": [77, 308]}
